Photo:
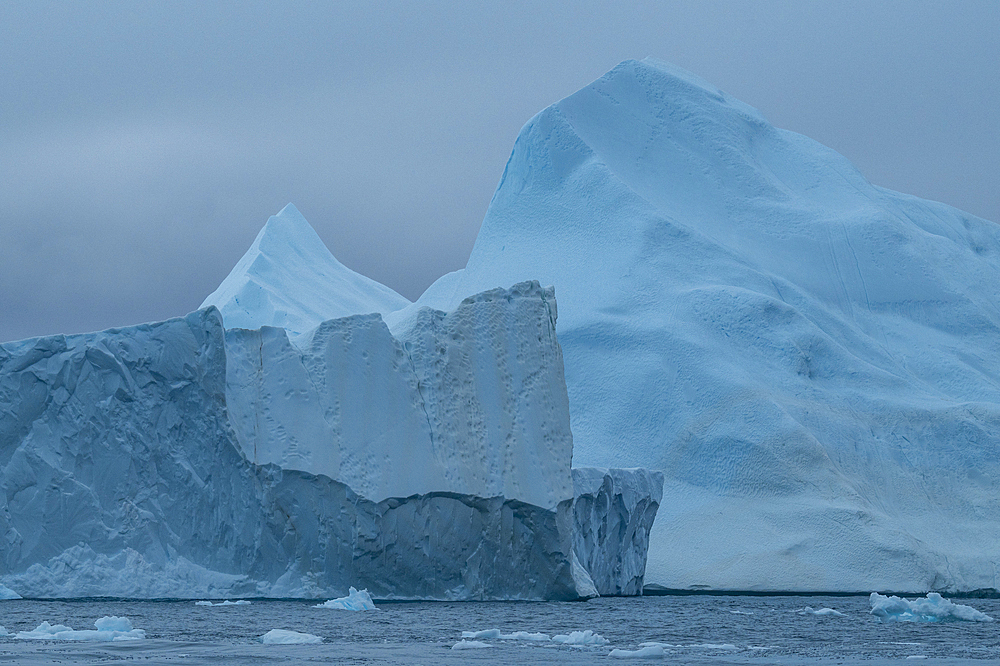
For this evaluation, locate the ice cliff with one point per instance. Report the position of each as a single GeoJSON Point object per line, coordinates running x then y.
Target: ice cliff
{"type": "Point", "coordinates": [813, 362]}
{"type": "Point", "coordinates": [181, 459]}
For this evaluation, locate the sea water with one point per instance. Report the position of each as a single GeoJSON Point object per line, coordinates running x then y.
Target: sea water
{"type": "Point", "coordinates": [687, 629]}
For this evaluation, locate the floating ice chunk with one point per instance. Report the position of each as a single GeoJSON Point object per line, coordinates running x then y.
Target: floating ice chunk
{"type": "Point", "coordinates": [809, 610]}
{"type": "Point", "coordinates": [587, 637]}
{"type": "Point", "coordinates": [354, 601]}
{"type": "Point", "coordinates": [469, 645]}
{"type": "Point", "coordinates": [741, 612]}
{"type": "Point", "coordinates": [7, 593]}
{"type": "Point", "coordinates": [110, 628]}
{"type": "Point", "coordinates": [3, 631]}
{"type": "Point", "coordinates": [917, 656]}
{"type": "Point", "coordinates": [647, 652]}
{"type": "Point", "coordinates": [696, 646]}
{"type": "Point", "coordinates": [525, 636]}
{"type": "Point", "coordinates": [240, 602]}
{"type": "Point", "coordinates": [933, 608]}
{"type": "Point", "coordinates": [485, 633]}
{"type": "Point", "coordinates": [286, 637]}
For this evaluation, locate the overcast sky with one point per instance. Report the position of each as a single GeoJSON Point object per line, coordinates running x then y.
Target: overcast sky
{"type": "Point", "coordinates": [143, 145]}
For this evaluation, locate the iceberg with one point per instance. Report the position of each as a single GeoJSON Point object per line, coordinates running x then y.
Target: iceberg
{"type": "Point", "coordinates": [812, 362]}
{"type": "Point", "coordinates": [585, 637]}
{"type": "Point", "coordinates": [288, 637]}
{"type": "Point", "coordinates": [932, 608]}
{"type": "Point", "coordinates": [354, 601]}
{"type": "Point", "coordinates": [193, 458]}
{"type": "Point", "coordinates": [110, 628]}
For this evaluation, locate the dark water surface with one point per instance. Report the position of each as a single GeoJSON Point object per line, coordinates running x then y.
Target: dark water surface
{"type": "Point", "coordinates": [706, 629]}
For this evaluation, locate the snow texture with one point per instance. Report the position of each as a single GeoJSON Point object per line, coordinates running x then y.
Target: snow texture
{"type": "Point", "coordinates": [932, 608]}
{"type": "Point", "coordinates": [110, 628]}
{"type": "Point", "coordinates": [354, 601]}
{"type": "Point", "coordinates": [289, 279]}
{"type": "Point", "coordinates": [287, 637]}
{"type": "Point", "coordinates": [124, 476]}
{"type": "Point", "coordinates": [812, 361]}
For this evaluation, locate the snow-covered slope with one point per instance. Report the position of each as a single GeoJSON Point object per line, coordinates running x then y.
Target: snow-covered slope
{"type": "Point", "coordinates": [813, 361]}
{"type": "Point", "coordinates": [288, 278]}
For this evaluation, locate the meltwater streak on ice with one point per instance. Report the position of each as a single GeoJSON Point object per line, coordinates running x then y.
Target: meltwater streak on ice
{"type": "Point", "coordinates": [812, 361]}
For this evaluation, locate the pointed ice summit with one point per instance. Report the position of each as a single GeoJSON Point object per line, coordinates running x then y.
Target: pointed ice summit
{"type": "Point", "coordinates": [289, 279]}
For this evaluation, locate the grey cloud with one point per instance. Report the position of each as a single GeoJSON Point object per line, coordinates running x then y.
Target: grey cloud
{"type": "Point", "coordinates": [143, 145]}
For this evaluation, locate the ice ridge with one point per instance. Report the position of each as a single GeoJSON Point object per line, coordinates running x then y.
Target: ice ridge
{"type": "Point", "coordinates": [289, 279]}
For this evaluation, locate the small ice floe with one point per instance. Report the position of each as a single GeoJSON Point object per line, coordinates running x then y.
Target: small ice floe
{"type": "Point", "coordinates": [809, 610]}
{"type": "Point", "coordinates": [917, 656]}
{"type": "Point", "coordinates": [740, 612]}
{"type": "Point", "coordinates": [240, 602]}
{"type": "Point", "coordinates": [485, 633]}
{"type": "Point", "coordinates": [3, 631]}
{"type": "Point", "coordinates": [111, 628]}
{"type": "Point", "coordinates": [932, 608]}
{"type": "Point", "coordinates": [7, 594]}
{"type": "Point", "coordinates": [697, 646]}
{"type": "Point", "coordinates": [469, 645]}
{"type": "Point", "coordinates": [586, 637]}
{"type": "Point", "coordinates": [286, 637]}
{"type": "Point", "coordinates": [525, 636]}
{"type": "Point", "coordinates": [648, 652]}
{"type": "Point", "coordinates": [354, 601]}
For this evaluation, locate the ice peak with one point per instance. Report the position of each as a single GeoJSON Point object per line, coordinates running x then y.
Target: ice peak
{"type": "Point", "coordinates": [289, 278]}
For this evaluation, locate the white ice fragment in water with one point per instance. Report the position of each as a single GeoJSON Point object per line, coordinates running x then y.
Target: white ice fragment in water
{"type": "Point", "coordinates": [469, 645]}
{"type": "Point", "coordinates": [286, 637]}
{"type": "Point", "coordinates": [240, 602]}
{"type": "Point", "coordinates": [110, 628]}
{"type": "Point", "coordinates": [809, 610]}
{"type": "Point", "coordinates": [741, 612]}
{"type": "Point", "coordinates": [354, 601]}
{"type": "Point", "coordinates": [647, 652]}
{"type": "Point", "coordinates": [485, 633]}
{"type": "Point", "coordinates": [3, 631]}
{"type": "Point", "coordinates": [586, 637]}
{"type": "Point", "coordinates": [932, 608]}
{"type": "Point", "coordinates": [525, 636]}
{"type": "Point", "coordinates": [6, 593]}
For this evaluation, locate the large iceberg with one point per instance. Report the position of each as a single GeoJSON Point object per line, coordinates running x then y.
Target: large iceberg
{"type": "Point", "coordinates": [812, 361]}
{"type": "Point", "coordinates": [187, 458]}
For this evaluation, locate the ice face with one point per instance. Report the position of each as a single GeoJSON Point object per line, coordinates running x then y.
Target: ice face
{"type": "Point", "coordinates": [123, 474]}
{"type": "Point", "coordinates": [288, 278]}
{"type": "Point", "coordinates": [471, 401]}
{"type": "Point", "coordinates": [811, 361]}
